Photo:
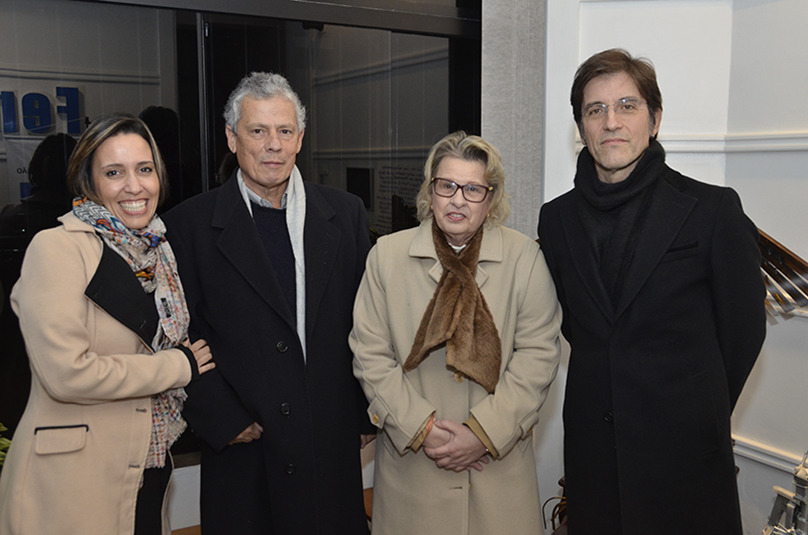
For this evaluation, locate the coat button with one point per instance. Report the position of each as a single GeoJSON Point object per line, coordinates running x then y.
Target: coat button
{"type": "Point", "coordinates": [458, 377]}
{"type": "Point", "coordinates": [281, 347]}
{"type": "Point", "coordinates": [290, 469]}
{"type": "Point", "coordinates": [375, 419]}
{"type": "Point", "coordinates": [609, 417]}
{"type": "Point", "coordinates": [286, 409]}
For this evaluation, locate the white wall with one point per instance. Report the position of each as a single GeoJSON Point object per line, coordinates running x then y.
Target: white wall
{"type": "Point", "coordinates": [767, 162]}
{"type": "Point", "coordinates": [733, 76]}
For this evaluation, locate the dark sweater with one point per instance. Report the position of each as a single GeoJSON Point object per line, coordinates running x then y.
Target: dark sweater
{"type": "Point", "coordinates": [271, 224]}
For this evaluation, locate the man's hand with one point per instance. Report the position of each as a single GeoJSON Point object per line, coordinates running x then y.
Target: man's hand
{"type": "Point", "coordinates": [253, 432]}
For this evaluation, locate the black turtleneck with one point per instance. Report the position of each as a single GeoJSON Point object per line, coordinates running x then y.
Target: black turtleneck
{"type": "Point", "coordinates": [612, 214]}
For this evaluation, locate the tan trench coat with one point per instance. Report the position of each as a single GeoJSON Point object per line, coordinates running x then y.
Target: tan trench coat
{"type": "Point", "coordinates": [412, 495]}
{"type": "Point", "coordinates": [77, 457]}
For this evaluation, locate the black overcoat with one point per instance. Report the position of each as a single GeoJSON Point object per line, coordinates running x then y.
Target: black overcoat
{"type": "Point", "coordinates": [304, 475]}
{"type": "Point", "coordinates": [653, 380]}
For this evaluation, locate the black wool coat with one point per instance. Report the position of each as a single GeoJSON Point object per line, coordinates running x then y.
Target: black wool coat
{"type": "Point", "coordinates": [653, 380]}
{"type": "Point", "coordinates": [304, 475]}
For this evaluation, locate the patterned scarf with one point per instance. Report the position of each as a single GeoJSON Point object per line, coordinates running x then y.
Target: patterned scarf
{"type": "Point", "coordinates": [150, 256]}
{"type": "Point", "coordinates": [459, 317]}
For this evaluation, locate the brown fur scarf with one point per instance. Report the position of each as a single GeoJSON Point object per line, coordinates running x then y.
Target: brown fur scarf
{"type": "Point", "coordinates": [458, 316]}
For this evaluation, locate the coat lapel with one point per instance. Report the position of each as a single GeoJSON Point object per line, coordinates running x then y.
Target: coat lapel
{"type": "Point", "coordinates": [321, 241]}
{"type": "Point", "coordinates": [586, 264]}
{"type": "Point", "coordinates": [240, 243]}
{"type": "Point", "coordinates": [116, 290]}
{"type": "Point", "coordinates": [667, 213]}
{"type": "Point", "coordinates": [491, 250]}
{"type": "Point", "coordinates": [422, 247]}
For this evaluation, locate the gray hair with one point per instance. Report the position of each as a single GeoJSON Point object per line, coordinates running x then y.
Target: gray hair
{"type": "Point", "coordinates": [259, 86]}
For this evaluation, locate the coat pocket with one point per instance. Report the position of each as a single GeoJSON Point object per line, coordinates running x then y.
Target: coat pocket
{"type": "Point", "coordinates": [59, 439]}
{"type": "Point", "coordinates": [679, 252]}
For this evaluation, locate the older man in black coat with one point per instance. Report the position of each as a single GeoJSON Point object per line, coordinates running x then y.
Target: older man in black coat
{"type": "Point", "coordinates": [270, 267]}
{"type": "Point", "coordinates": [663, 301]}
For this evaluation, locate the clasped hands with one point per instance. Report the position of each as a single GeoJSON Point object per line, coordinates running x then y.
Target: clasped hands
{"type": "Point", "coordinates": [455, 447]}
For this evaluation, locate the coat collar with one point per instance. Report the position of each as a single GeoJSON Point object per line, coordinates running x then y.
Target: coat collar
{"type": "Point", "coordinates": [240, 243]}
{"type": "Point", "coordinates": [670, 206]}
{"type": "Point", "coordinates": [74, 224]}
{"type": "Point", "coordinates": [491, 250]}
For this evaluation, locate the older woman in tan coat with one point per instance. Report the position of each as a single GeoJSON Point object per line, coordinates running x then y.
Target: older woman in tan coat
{"type": "Point", "coordinates": [105, 323]}
{"type": "Point", "coordinates": [455, 337]}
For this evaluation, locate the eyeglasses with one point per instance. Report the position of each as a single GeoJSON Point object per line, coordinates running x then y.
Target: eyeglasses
{"type": "Point", "coordinates": [444, 187]}
{"type": "Point", "coordinates": [625, 107]}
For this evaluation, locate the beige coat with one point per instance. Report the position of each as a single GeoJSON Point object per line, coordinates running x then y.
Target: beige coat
{"type": "Point", "coordinates": [412, 495]}
{"type": "Point", "coordinates": [77, 457]}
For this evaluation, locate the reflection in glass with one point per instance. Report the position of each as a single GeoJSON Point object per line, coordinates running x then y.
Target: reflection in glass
{"type": "Point", "coordinates": [376, 99]}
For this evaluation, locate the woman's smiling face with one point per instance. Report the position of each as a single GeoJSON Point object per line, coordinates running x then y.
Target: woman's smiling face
{"type": "Point", "coordinates": [125, 179]}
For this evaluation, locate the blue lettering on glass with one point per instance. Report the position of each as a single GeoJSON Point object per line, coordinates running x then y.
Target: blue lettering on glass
{"type": "Point", "coordinates": [36, 113]}
{"type": "Point", "coordinates": [25, 189]}
{"type": "Point", "coordinates": [70, 108]}
{"type": "Point", "coordinates": [8, 106]}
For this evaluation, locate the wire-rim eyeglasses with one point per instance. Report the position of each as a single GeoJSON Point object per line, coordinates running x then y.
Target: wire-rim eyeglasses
{"type": "Point", "coordinates": [625, 106]}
